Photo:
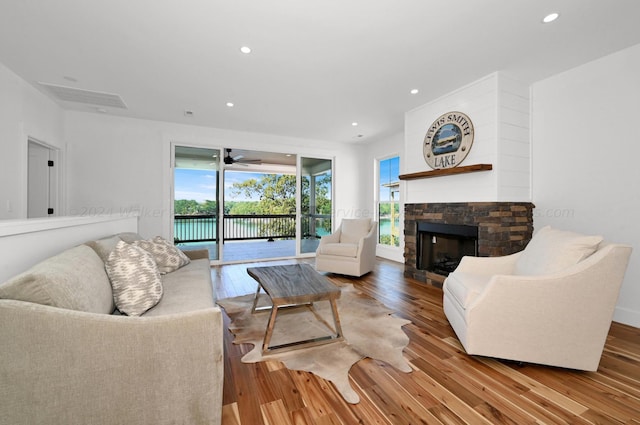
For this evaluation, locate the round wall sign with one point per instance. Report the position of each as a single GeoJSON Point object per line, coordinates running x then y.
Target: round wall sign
{"type": "Point", "coordinates": [448, 140]}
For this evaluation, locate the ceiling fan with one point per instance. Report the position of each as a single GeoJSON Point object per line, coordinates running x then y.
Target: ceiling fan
{"type": "Point", "coordinates": [230, 160]}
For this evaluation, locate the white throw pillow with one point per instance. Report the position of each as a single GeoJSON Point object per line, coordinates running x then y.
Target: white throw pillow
{"type": "Point", "coordinates": [134, 278]}
{"type": "Point", "coordinates": [353, 229]}
{"type": "Point", "coordinates": [166, 255]}
{"type": "Point", "coordinates": [551, 250]}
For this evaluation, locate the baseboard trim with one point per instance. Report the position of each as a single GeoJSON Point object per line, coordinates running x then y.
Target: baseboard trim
{"type": "Point", "coordinates": [627, 316]}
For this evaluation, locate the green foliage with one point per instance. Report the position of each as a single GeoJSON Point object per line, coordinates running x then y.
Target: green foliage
{"type": "Point", "coordinates": [240, 207]}
{"type": "Point", "coordinates": [323, 202]}
{"type": "Point", "coordinates": [191, 207]}
{"type": "Point", "coordinates": [385, 208]}
{"type": "Point", "coordinates": [277, 193]}
{"type": "Point", "coordinates": [390, 240]}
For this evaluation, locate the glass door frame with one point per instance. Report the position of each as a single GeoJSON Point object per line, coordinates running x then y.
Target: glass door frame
{"type": "Point", "coordinates": [220, 192]}
{"type": "Point", "coordinates": [389, 252]}
{"type": "Point", "coordinates": [299, 171]}
{"type": "Point", "coordinates": [169, 191]}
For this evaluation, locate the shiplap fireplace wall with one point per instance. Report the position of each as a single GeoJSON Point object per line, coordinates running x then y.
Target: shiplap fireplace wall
{"type": "Point", "coordinates": [498, 199]}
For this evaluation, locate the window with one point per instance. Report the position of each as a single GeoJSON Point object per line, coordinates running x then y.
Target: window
{"type": "Point", "coordinates": [389, 202]}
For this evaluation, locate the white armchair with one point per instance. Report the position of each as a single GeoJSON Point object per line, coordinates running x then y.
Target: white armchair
{"type": "Point", "coordinates": [550, 304]}
{"type": "Point", "coordinates": [350, 250]}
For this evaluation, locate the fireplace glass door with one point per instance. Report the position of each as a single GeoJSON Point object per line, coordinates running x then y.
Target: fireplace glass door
{"type": "Point", "coordinates": [441, 246]}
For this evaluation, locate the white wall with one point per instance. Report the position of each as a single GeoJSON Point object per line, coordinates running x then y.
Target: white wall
{"type": "Point", "coordinates": [24, 243]}
{"type": "Point", "coordinates": [24, 113]}
{"type": "Point", "coordinates": [498, 106]}
{"type": "Point", "coordinates": [585, 174]}
{"type": "Point", "coordinates": [120, 164]}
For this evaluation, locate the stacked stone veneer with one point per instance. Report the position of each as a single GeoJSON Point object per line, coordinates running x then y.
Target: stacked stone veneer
{"type": "Point", "coordinates": [503, 227]}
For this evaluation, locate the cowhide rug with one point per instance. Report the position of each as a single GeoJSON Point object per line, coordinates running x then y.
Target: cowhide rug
{"type": "Point", "coordinates": [368, 327]}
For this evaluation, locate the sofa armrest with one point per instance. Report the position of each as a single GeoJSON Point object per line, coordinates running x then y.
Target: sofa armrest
{"type": "Point", "coordinates": [367, 244]}
{"type": "Point", "coordinates": [488, 266]}
{"type": "Point", "coordinates": [78, 367]}
{"type": "Point", "coordinates": [331, 238]}
{"type": "Point", "coordinates": [197, 254]}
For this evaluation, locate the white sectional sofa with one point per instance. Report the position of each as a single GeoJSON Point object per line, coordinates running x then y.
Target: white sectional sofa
{"type": "Point", "coordinates": [68, 357]}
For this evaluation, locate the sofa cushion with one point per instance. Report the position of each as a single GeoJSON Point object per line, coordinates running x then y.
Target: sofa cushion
{"type": "Point", "coordinates": [186, 289]}
{"type": "Point", "coordinates": [104, 246]}
{"type": "Point", "coordinates": [75, 279]}
{"type": "Point", "coordinates": [135, 279]}
{"type": "Point", "coordinates": [340, 249]}
{"type": "Point", "coordinates": [129, 237]}
{"type": "Point", "coordinates": [466, 287]}
{"type": "Point", "coordinates": [354, 229]}
{"type": "Point", "coordinates": [166, 255]}
{"type": "Point", "coordinates": [551, 250]}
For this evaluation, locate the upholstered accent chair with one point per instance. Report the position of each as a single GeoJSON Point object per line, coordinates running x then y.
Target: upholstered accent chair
{"type": "Point", "coordinates": [350, 250]}
{"type": "Point", "coordinates": [550, 304]}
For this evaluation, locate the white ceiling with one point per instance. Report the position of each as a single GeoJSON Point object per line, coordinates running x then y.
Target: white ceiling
{"type": "Point", "coordinates": [316, 65]}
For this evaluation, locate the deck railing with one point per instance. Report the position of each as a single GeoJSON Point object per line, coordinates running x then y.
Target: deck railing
{"type": "Point", "coordinates": [195, 228]}
{"type": "Point", "coordinates": [202, 228]}
{"type": "Point", "coordinates": [315, 225]}
{"type": "Point", "coordinates": [263, 226]}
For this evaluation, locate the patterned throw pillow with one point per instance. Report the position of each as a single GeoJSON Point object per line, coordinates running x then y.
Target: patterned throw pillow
{"type": "Point", "coordinates": [134, 278]}
{"type": "Point", "coordinates": [167, 256]}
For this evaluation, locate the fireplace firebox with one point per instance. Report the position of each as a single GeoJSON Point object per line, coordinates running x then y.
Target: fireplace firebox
{"type": "Point", "coordinates": [442, 246]}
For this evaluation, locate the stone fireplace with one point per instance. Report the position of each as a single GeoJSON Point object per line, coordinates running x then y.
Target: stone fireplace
{"type": "Point", "coordinates": [438, 234]}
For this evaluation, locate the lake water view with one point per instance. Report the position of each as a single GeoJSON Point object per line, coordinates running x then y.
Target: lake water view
{"type": "Point", "coordinates": [204, 228]}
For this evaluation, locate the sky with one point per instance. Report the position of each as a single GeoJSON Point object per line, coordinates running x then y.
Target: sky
{"type": "Point", "coordinates": [200, 185]}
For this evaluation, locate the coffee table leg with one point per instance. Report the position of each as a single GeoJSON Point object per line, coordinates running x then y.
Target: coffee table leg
{"type": "Point", "coordinates": [255, 300]}
{"type": "Point", "coordinates": [336, 319]}
{"type": "Point", "coordinates": [269, 331]}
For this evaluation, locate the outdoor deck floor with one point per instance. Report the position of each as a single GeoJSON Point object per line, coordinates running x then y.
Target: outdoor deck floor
{"type": "Point", "coordinates": [241, 251]}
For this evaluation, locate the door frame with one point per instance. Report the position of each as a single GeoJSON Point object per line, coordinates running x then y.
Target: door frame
{"type": "Point", "coordinates": [54, 177]}
{"type": "Point", "coordinates": [299, 159]}
{"type": "Point", "coordinates": [168, 187]}
{"type": "Point", "coordinates": [168, 222]}
{"type": "Point", "coordinates": [385, 251]}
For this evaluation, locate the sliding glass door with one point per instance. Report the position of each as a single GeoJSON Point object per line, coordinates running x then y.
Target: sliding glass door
{"type": "Point", "coordinates": [245, 205]}
{"type": "Point", "coordinates": [196, 194]}
{"type": "Point", "coordinates": [259, 205]}
{"type": "Point", "coordinates": [315, 202]}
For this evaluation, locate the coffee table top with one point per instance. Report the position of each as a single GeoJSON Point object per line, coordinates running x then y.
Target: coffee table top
{"type": "Point", "coordinates": [294, 284]}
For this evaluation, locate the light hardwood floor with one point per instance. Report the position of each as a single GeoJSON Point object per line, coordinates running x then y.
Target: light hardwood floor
{"type": "Point", "coordinates": [446, 386]}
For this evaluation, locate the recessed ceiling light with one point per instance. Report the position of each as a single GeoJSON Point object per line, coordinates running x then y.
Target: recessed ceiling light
{"type": "Point", "coordinates": [414, 91]}
{"type": "Point", "coordinates": [550, 18]}
{"type": "Point", "coordinates": [354, 123]}
{"type": "Point", "coordinates": [246, 50]}
{"type": "Point", "coordinates": [230, 104]}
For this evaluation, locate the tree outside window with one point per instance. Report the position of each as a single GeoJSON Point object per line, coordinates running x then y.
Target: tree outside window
{"type": "Point", "coordinates": [389, 202]}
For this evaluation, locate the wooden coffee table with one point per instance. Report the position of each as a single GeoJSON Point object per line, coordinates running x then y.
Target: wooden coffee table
{"type": "Point", "coordinates": [296, 285]}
